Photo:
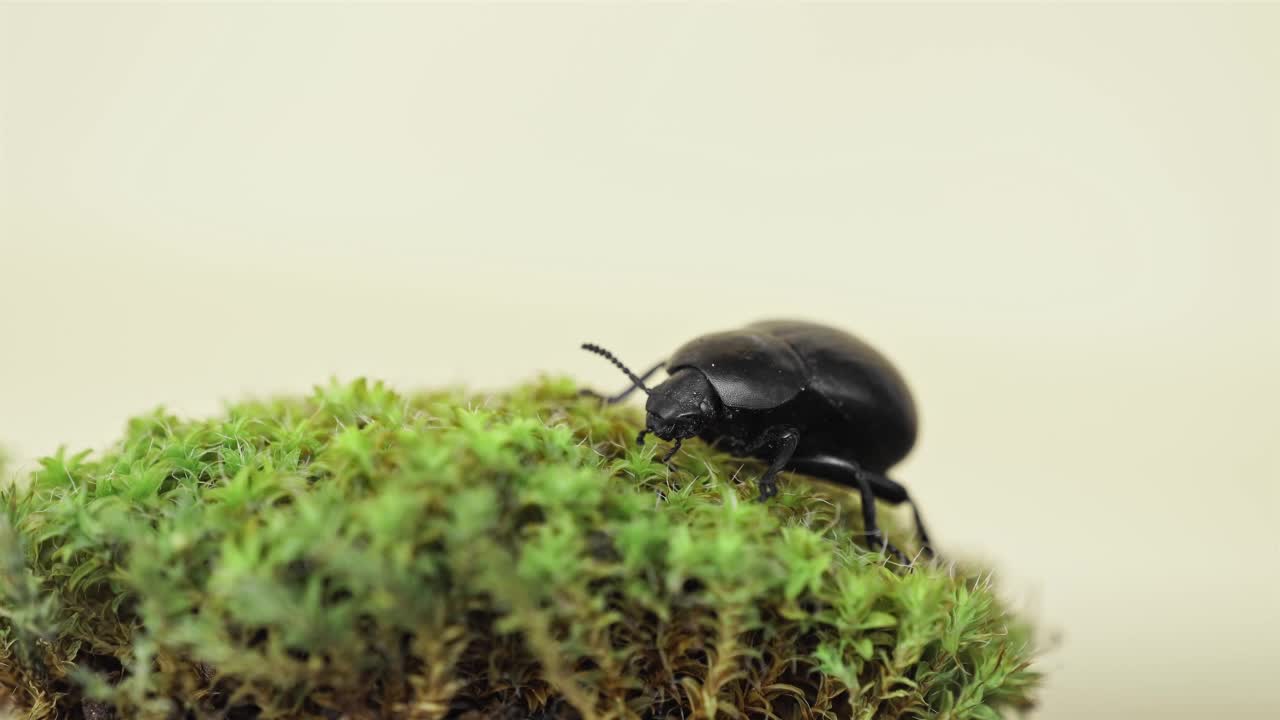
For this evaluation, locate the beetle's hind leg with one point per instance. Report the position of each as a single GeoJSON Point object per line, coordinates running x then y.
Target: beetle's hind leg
{"type": "Point", "coordinates": [611, 399]}
{"type": "Point", "coordinates": [893, 493]}
{"type": "Point", "coordinates": [871, 486]}
{"type": "Point", "coordinates": [862, 480]}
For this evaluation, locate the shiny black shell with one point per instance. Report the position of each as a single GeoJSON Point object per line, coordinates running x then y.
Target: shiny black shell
{"type": "Point", "coordinates": [844, 396]}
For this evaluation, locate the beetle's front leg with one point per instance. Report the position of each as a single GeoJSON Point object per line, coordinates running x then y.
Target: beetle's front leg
{"type": "Point", "coordinates": [786, 439]}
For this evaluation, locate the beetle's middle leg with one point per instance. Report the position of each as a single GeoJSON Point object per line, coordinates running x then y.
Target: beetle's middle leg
{"type": "Point", "coordinates": [785, 438]}
{"type": "Point", "coordinates": [611, 399]}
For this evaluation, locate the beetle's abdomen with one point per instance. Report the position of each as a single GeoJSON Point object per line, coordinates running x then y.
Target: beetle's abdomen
{"type": "Point", "coordinates": [860, 385]}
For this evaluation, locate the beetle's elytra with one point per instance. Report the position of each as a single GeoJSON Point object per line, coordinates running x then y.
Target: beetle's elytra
{"type": "Point", "coordinates": [802, 396]}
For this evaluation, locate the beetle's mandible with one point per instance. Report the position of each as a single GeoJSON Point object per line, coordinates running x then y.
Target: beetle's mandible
{"type": "Point", "coordinates": [801, 396]}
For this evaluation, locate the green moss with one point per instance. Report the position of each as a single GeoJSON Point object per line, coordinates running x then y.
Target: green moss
{"type": "Point", "coordinates": [361, 554]}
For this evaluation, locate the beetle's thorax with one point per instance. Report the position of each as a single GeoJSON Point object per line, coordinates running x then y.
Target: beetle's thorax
{"type": "Point", "coordinates": [682, 405]}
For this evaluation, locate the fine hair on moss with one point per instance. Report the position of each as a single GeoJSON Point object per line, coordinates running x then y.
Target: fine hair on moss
{"type": "Point", "coordinates": [359, 553]}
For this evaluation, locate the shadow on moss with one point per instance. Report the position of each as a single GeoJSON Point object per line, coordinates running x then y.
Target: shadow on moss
{"type": "Point", "coordinates": [366, 555]}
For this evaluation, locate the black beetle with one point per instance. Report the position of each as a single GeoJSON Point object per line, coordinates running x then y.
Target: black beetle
{"type": "Point", "coordinates": [805, 397]}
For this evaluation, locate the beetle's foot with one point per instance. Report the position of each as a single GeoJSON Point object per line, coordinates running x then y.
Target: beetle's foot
{"type": "Point", "coordinates": [881, 542]}
{"type": "Point", "coordinates": [768, 488]}
{"type": "Point", "coordinates": [891, 549]}
{"type": "Point", "coordinates": [587, 392]}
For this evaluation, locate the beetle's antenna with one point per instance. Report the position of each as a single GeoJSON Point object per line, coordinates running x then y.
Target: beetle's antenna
{"type": "Point", "coordinates": [609, 356]}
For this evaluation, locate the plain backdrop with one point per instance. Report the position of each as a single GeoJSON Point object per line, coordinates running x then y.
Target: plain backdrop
{"type": "Point", "coordinates": [1063, 223]}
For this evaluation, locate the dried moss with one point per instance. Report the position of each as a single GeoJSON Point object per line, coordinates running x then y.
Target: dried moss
{"type": "Point", "coordinates": [361, 554]}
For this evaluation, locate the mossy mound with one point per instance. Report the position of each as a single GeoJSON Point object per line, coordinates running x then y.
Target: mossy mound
{"type": "Point", "coordinates": [362, 554]}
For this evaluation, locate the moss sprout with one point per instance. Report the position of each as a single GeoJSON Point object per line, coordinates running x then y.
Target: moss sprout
{"type": "Point", "coordinates": [359, 553]}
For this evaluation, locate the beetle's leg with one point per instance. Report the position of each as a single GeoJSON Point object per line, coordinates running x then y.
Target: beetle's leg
{"type": "Point", "coordinates": [666, 459]}
{"type": "Point", "coordinates": [894, 493]}
{"type": "Point", "coordinates": [625, 393]}
{"type": "Point", "coordinates": [926, 545]}
{"type": "Point", "coordinates": [863, 480]}
{"type": "Point", "coordinates": [849, 473]}
{"type": "Point", "coordinates": [786, 438]}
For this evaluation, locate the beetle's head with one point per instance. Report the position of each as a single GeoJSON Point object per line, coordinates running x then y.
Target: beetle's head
{"type": "Point", "coordinates": [682, 406]}
{"type": "Point", "coordinates": [679, 408]}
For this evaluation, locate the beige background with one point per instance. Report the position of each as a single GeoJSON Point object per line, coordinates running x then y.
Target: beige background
{"type": "Point", "coordinates": [1063, 223]}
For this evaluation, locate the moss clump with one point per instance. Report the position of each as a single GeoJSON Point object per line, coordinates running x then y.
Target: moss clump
{"type": "Point", "coordinates": [361, 554]}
